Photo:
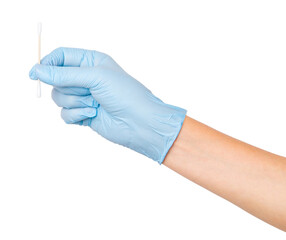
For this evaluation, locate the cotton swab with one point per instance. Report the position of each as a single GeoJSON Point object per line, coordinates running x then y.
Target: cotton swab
{"type": "Point", "coordinates": [39, 58]}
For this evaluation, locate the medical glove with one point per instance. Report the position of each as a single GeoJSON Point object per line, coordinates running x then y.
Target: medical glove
{"type": "Point", "coordinates": [95, 91]}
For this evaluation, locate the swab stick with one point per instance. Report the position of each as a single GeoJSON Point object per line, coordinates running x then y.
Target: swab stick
{"type": "Point", "coordinates": [39, 57]}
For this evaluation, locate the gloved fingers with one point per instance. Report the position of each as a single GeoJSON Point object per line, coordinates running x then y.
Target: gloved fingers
{"type": "Point", "coordinates": [75, 115]}
{"type": "Point", "coordinates": [65, 76]}
{"type": "Point", "coordinates": [72, 101]}
{"type": "Point", "coordinates": [86, 122]}
{"type": "Point", "coordinates": [73, 57]}
{"type": "Point", "coordinates": [77, 91]}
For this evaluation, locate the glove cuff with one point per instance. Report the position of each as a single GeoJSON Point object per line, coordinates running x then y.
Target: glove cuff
{"type": "Point", "coordinates": [172, 129]}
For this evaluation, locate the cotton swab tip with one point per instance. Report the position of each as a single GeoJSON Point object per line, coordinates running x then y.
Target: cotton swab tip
{"type": "Point", "coordinates": [39, 28]}
{"type": "Point", "coordinates": [38, 88]}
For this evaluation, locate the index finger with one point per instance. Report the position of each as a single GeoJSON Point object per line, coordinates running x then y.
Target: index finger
{"type": "Point", "coordinates": [73, 57]}
{"type": "Point", "coordinates": [84, 77]}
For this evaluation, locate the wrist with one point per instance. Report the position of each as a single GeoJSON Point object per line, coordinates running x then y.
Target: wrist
{"type": "Point", "coordinates": [179, 149]}
{"type": "Point", "coordinates": [170, 130]}
{"type": "Point", "coordinates": [158, 131]}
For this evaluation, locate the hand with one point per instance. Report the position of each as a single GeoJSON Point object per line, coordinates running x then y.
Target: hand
{"type": "Point", "coordinates": [95, 91]}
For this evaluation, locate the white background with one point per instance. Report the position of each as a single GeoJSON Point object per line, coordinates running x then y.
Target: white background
{"type": "Point", "coordinates": [224, 61]}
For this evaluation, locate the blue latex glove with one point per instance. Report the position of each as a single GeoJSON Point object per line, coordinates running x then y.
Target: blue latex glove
{"type": "Point", "coordinates": [95, 91]}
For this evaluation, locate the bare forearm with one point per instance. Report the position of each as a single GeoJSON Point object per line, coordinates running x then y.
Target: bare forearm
{"type": "Point", "coordinates": [251, 178]}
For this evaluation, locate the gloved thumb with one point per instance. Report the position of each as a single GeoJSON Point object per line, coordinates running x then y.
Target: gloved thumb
{"type": "Point", "coordinates": [65, 76]}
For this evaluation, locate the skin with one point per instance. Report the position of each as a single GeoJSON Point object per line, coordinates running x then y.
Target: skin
{"type": "Point", "coordinates": [249, 177]}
